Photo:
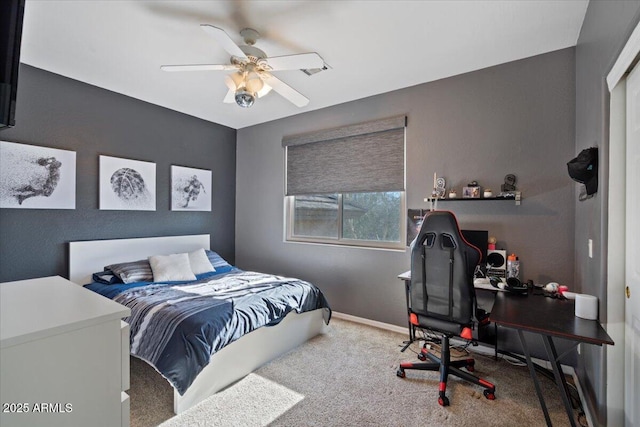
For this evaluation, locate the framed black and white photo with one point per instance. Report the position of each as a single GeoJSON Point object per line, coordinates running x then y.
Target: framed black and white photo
{"type": "Point", "coordinates": [34, 177]}
{"type": "Point", "coordinates": [127, 184]}
{"type": "Point", "coordinates": [190, 189]}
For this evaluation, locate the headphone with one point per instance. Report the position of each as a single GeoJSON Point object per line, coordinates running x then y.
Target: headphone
{"type": "Point", "coordinates": [513, 285]}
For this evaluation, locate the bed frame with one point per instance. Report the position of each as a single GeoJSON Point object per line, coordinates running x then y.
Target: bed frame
{"type": "Point", "coordinates": [231, 363]}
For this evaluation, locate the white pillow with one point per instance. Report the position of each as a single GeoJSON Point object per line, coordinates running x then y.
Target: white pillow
{"type": "Point", "coordinates": [169, 268]}
{"type": "Point", "coordinates": [200, 262]}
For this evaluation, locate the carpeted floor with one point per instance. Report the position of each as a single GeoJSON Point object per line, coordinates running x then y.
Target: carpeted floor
{"type": "Point", "coordinates": [347, 377]}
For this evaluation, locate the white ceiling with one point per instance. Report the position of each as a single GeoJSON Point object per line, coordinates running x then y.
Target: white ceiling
{"type": "Point", "coordinates": [372, 47]}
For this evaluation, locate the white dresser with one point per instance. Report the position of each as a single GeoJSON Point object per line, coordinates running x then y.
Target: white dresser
{"type": "Point", "coordinates": [64, 356]}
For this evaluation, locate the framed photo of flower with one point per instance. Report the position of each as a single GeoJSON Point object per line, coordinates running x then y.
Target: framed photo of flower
{"type": "Point", "coordinates": [190, 189]}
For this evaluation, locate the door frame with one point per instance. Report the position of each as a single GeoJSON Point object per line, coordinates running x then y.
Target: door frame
{"type": "Point", "coordinates": [615, 322]}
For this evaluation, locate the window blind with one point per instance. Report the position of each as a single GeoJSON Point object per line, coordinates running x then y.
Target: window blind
{"type": "Point", "coordinates": [365, 157]}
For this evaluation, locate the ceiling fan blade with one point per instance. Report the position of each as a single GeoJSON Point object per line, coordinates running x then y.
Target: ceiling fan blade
{"type": "Point", "coordinates": [225, 41]}
{"type": "Point", "coordinates": [302, 61]}
{"type": "Point", "coordinates": [229, 82]}
{"type": "Point", "coordinates": [199, 67]}
{"type": "Point", "coordinates": [286, 91]}
{"type": "Point", "coordinates": [230, 97]}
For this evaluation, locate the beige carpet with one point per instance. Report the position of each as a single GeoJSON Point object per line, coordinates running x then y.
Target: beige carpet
{"type": "Point", "coordinates": [347, 377]}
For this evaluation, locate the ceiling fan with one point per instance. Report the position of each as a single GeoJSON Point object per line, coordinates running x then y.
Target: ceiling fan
{"type": "Point", "coordinates": [252, 68]}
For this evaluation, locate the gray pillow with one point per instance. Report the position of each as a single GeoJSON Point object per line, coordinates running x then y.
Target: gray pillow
{"type": "Point", "coordinates": [131, 272]}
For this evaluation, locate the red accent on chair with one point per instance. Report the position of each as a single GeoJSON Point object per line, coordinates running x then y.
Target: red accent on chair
{"type": "Point", "coordinates": [466, 333]}
{"type": "Point", "coordinates": [413, 318]}
{"type": "Point", "coordinates": [486, 383]}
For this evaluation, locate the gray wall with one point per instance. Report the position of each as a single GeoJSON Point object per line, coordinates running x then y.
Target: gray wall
{"type": "Point", "coordinates": [58, 112]}
{"type": "Point", "coordinates": [605, 30]}
{"type": "Point", "coordinates": [513, 118]}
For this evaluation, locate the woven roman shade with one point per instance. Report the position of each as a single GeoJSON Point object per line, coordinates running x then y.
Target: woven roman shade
{"type": "Point", "coordinates": [366, 157]}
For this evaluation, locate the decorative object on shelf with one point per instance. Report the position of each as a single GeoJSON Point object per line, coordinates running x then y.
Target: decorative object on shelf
{"type": "Point", "coordinates": [452, 193]}
{"type": "Point", "coordinates": [33, 177]}
{"type": "Point", "coordinates": [190, 189]}
{"type": "Point", "coordinates": [440, 187]}
{"type": "Point", "coordinates": [509, 186]}
{"type": "Point", "coordinates": [471, 191]}
{"type": "Point", "coordinates": [127, 184]}
{"type": "Point", "coordinates": [584, 169]}
{"type": "Point", "coordinates": [487, 193]}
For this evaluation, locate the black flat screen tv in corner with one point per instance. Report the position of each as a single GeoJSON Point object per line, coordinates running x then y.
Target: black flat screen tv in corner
{"type": "Point", "coordinates": [11, 15]}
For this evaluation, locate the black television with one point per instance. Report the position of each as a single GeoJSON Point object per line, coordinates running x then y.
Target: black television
{"type": "Point", "coordinates": [11, 16]}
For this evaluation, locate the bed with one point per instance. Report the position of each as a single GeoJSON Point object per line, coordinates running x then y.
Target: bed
{"type": "Point", "coordinates": [244, 352]}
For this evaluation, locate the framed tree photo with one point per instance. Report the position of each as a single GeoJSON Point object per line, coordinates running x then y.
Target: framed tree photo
{"type": "Point", "coordinates": [190, 189]}
{"type": "Point", "coordinates": [33, 177]}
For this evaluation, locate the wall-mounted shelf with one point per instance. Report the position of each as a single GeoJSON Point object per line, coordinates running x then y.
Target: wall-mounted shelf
{"type": "Point", "coordinates": [517, 197]}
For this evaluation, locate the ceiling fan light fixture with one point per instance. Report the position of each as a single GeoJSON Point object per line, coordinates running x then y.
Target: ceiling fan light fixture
{"type": "Point", "coordinates": [244, 98]}
{"type": "Point", "coordinates": [253, 82]}
{"type": "Point", "coordinates": [237, 79]}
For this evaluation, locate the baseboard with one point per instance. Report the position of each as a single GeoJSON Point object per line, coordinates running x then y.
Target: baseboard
{"type": "Point", "coordinates": [369, 322]}
{"type": "Point", "coordinates": [568, 370]}
{"type": "Point", "coordinates": [585, 407]}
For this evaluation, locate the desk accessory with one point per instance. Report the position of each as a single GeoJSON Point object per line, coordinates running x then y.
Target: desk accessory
{"type": "Point", "coordinates": [497, 263]}
{"type": "Point", "coordinates": [551, 287]}
{"type": "Point", "coordinates": [512, 285]}
{"type": "Point", "coordinates": [586, 306]}
{"type": "Point", "coordinates": [513, 266]}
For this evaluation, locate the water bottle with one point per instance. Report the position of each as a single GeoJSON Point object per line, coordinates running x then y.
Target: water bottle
{"type": "Point", "coordinates": [513, 266]}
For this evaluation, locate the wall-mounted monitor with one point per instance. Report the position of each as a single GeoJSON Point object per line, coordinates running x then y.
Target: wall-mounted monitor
{"type": "Point", "coordinates": [11, 16]}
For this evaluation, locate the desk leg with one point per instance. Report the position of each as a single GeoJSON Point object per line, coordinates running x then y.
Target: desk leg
{"type": "Point", "coordinates": [561, 381]}
{"type": "Point", "coordinates": [412, 329]}
{"type": "Point", "coordinates": [534, 376]}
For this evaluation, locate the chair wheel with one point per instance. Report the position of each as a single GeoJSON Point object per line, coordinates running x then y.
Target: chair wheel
{"type": "Point", "coordinates": [422, 357]}
{"type": "Point", "coordinates": [470, 368]}
{"type": "Point", "coordinates": [489, 394]}
{"type": "Point", "coordinates": [443, 401]}
{"type": "Point", "coordinates": [400, 373]}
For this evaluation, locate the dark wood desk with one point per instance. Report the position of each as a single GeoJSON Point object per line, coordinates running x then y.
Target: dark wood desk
{"type": "Point", "coordinates": [549, 318]}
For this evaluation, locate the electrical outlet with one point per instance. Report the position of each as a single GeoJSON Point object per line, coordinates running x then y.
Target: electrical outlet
{"type": "Point", "coordinates": [590, 248]}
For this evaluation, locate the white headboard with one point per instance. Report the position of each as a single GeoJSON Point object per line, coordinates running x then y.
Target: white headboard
{"type": "Point", "coordinates": [88, 257]}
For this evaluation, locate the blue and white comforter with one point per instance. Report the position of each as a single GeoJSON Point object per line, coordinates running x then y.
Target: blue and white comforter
{"type": "Point", "coordinates": [176, 327]}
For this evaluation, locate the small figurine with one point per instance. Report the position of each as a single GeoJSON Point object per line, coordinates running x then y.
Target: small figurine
{"type": "Point", "coordinates": [491, 243]}
{"type": "Point", "coordinates": [440, 187]}
{"type": "Point", "coordinates": [509, 183]}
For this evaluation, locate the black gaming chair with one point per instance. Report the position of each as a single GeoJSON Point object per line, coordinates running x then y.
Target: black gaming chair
{"type": "Point", "coordinates": [443, 299]}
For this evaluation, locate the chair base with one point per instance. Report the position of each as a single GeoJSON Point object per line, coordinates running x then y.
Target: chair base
{"type": "Point", "coordinates": [446, 367]}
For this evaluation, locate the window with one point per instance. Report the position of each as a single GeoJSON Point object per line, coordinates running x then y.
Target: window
{"type": "Point", "coordinates": [346, 185]}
